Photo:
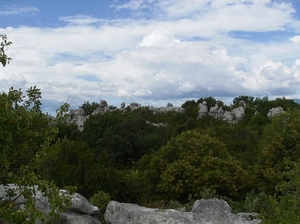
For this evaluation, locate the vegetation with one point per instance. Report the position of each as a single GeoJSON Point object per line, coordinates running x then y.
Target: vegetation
{"type": "Point", "coordinates": [24, 137]}
{"type": "Point", "coordinates": [4, 59]}
{"type": "Point", "coordinates": [25, 134]}
{"type": "Point", "coordinates": [253, 164]}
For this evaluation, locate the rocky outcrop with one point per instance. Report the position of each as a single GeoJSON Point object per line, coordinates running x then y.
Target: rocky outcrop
{"type": "Point", "coordinates": [273, 112]}
{"type": "Point", "coordinates": [210, 211]}
{"type": "Point", "coordinates": [103, 108]}
{"type": "Point", "coordinates": [81, 210]}
{"type": "Point", "coordinates": [203, 109]}
{"type": "Point", "coordinates": [134, 106]}
{"type": "Point", "coordinates": [232, 116]}
{"type": "Point", "coordinates": [168, 108]}
{"type": "Point", "coordinates": [215, 211]}
{"type": "Point", "coordinates": [77, 117]}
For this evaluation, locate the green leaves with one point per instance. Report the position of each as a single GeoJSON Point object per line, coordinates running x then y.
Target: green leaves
{"type": "Point", "coordinates": [24, 133]}
{"type": "Point", "coordinates": [4, 59]}
{"type": "Point", "coordinates": [192, 161]}
{"type": "Point", "coordinates": [280, 142]}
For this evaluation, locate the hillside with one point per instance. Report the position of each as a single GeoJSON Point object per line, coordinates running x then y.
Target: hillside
{"type": "Point", "coordinates": [165, 157]}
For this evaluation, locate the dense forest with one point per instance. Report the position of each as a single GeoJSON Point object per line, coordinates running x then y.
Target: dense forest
{"type": "Point", "coordinates": [253, 164]}
{"type": "Point", "coordinates": [120, 155]}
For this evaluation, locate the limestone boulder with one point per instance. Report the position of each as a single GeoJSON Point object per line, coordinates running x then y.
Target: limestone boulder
{"type": "Point", "coordinates": [204, 211]}
{"type": "Point", "coordinates": [81, 210]}
{"type": "Point", "coordinates": [124, 213]}
{"type": "Point", "coordinates": [77, 117]}
{"type": "Point", "coordinates": [168, 108]}
{"type": "Point", "coordinates": [238, 113]}
{"type": "Point", "coordinates": [273, 112]}
{"type": "Point", "coordinates": [215, 211]}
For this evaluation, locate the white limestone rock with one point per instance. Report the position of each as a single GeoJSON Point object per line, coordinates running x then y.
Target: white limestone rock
{"type": "Point", "coordinates": [81, 210]}
{"type": "Point", "coordinates": [275, 112]}
{"type": "Point", "coordinates": [205, 211]}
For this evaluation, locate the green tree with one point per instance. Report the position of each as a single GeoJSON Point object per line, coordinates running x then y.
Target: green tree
{"type": "Point", "coordinates": [192, 161]}
{"type": "Point", "coordinates": [126, 137]}
{"type": "Point", "coordinates": [191, 108]}
{"type": "Point", "coordinates": [101, 200]}
{"type": "Point", "coordinates": [25, 132]}
{"type": "Point", "coordinates": [246, 99]}
{"type": "Point", "coordinates": [283, 207]}
{"type": "Point", "coordinates": [73, 163]}
{"type": "Point", "coordinates": [89, 108]}
{"type": "Point", "coordinates": [280, 142]}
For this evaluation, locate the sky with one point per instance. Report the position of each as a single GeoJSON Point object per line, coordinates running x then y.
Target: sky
{"type": "Point", "coordinates": [151, 51]}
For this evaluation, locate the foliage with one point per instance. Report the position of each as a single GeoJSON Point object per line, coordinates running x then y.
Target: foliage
{"type": "Point", "coordinates": [241, 141]}
{"type": "Point", "coordinates": [136, 187]}
{"type": "Point", "coordinates": [72, 163]}
{"type": "Point", "coordinates": [126, 137]}
{"type": "Point", "coordinates": [25, 130]}
{"type": "Point", "coordinates": [285, 205]}
{"type": "Point", "coordinates": [191, 108]}
{"type": "Point", "coordinates": [101, 200]}
{"type": "Point", "coordinates": [4, 59]}
{"type": "Point", "coordinates": [280, 142]}
{"type": "Point", "coordinates": [25, 134]}
{"type": "Point", "coordinates": [62, 112]}
{"type": "Point", "coordinates": [192, 161]}
{"type": "Point", "coordinates": [89, 108]}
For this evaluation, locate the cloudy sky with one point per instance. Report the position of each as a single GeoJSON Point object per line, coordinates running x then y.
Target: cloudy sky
{"type": "Point", "coordinates": [151, 51]}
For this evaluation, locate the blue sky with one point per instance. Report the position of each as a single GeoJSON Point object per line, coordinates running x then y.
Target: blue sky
{"type": "Point", "coordinates": [151, 51]}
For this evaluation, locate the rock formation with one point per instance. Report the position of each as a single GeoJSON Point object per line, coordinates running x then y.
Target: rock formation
{"type": "Point", "coordinates": [210, 211]}
{"type": "Point", "coordinates": [77, 117]}
{"type": "Point", "coordinates": [81, 211]}
{"type": "Point", "coordinates": [202, 109]}
{"type": "Point", "coordinates": [166, 109]}
{"type": "Point", "coordinates": [232, 116]}
{"type": "Point", "coordinates": [134, 106]}
{"type": "Point", "coordinates": [103, 108]}
{"type": "Point", "coordinates": [275, 112]}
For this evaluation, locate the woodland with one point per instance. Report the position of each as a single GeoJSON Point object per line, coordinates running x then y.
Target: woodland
{"type": "Point", "coordinates": [253, 164]}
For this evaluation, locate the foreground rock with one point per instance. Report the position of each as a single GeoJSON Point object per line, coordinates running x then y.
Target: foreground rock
{"type": "Point", "coordinates": [81, 210]}
{"type": "Point", "coordinates": [211, 211]}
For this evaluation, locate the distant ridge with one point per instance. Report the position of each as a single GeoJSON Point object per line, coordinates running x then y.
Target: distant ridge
{"type": "Point", "coordinates": [297, 101]}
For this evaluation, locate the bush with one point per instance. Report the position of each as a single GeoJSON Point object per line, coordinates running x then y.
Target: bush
{"type": "Point", "coordinates": [100, 199]}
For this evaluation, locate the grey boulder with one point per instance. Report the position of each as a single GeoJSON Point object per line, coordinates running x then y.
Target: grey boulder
{"type": "Point", "coordinates": [204, 211]}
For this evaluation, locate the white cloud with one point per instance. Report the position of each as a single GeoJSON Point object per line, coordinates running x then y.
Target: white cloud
{"type": "Point", "coordinates": [158, 38]}
{"type": "Point", "coordinates": [295, 39]}
{"type": "Point", "coordinates": [156, 60]}
{"type": "Point", "coordinates": [18, 10]}
{"type": "Point", "coordinates": [133, 5]}
{"type": "Point", "coordinates": [272, 78]}
{"type": "Point", "coordinates": [80, 20]}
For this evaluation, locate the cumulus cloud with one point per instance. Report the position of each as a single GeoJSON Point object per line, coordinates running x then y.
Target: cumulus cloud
{"type": "Point", "coordinates": [183, 51]}
{"type": "Point", "coordinates": [158, 38]}
{"type": "Point", "coordinates": [295, 39]}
